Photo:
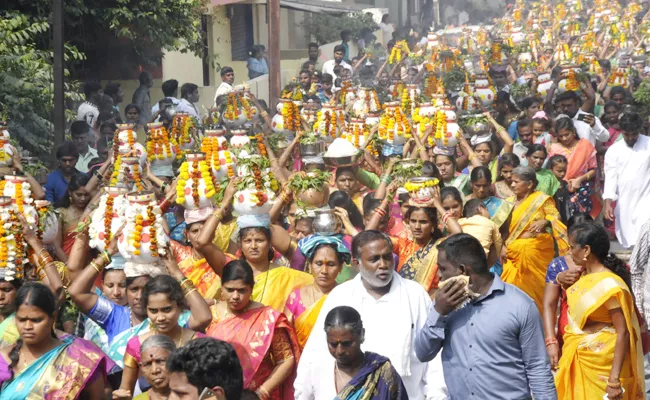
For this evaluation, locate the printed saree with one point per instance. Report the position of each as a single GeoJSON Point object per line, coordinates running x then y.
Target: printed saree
{"type": "Point", "coordinates": [262, 338]}
{"type": "Point", "coordinates": [422, 266]}
{"type": "Point", "coordinates": [8, 331]}
{"type": "Point", "coordinates": [207, 282]}
{"type": "Point", "coordinates": [499, 209]}
{"type": "Point", "coordinates": [587, 357]}
{"type": "Point", "coordinates": [376, 380]}
{"type": "Point", "coordinates": [304, 318]}
{"type": "Point", "coordinates": [273, 287]}
{"type": "Point", "coordinates": [61, 373]}
{"type": "Point", "coordinates": [582, 159]}
{"type": "Point", "coordinates": [528, 257]}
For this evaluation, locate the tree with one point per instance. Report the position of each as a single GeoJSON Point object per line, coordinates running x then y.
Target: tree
{"type": "Point", "coordinates": [26, 81]}
{"type": "Point", "coordinates": [326, 28]}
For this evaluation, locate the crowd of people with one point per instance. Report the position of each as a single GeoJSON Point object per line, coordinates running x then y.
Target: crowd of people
{"type": "Point", "coordinates": [457, 263]}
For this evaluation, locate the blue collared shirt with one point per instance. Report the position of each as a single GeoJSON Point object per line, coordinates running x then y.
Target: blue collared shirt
{"type": "Point", "coordinates": [56, 186]}
{"type": "Point", "coordinates": [493, 348]}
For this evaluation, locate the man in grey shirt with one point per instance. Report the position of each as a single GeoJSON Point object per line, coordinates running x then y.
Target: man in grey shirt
{"type": "Point", "coordinates": [491, 338]}
{"type": "Point", "coordinates": [141, 97]}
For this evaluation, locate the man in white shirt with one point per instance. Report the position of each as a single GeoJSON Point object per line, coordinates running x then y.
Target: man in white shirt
{"type": "Point", "coordinates": [228, 78]}
{"type": "Point", "coordinates": [339, 53]}
{"type": "Point", "coordinates": [393, 310]}
{"type": "Point", "coordinates": [387, 29]}
{"type": "Point", "coordinates": [88, 110]}
{"type": "Point", "coordinates": [170, 91]}
{"type": "Point", "coordinates": [525, 132]}
{"type": "Point", "coordinates": [80, 132]}
{"type": "Point", "coordinates": [627, 180]}
{"type": "Point", "coordinates": [189, 96]}
{"type": "Point", "coordinates": [587, 125]}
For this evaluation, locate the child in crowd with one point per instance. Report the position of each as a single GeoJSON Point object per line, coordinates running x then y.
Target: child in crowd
{"type": "Point", "coordinates": [476, 222]}
{"type": "Point", "coordinates": [542, 128]}
{"type": "Point", "coordinates": [558, 165]}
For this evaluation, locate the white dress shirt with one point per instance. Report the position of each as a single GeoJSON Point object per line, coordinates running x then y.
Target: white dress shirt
{"type": "Point", "coordinates": [185, 106]}
{"type": "Point", "coordinates": [391, 324]}
{"type": "Point", "coordinates": [85, 159]}
{"type": "Point", "coordinates": [627, 180]}
{"type": "Point", "coordinates": [224, 88]}
{"type": "Point", "coordinates": [328, 67]}
{"type": "Point", "coordinates": [596, 134]}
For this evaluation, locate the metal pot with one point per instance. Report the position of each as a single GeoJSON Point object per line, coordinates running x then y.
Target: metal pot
{"type": "Point", "coordinates": [326, 223]}
{"type": "Point", "coordinates": [474, 129]}
{"type": "Point", "coordinates": [312, 149]}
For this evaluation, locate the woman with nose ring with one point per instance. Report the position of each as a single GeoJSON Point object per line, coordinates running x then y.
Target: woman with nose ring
{"type": "Point", "coordinates": [326, 256]}
{"type": "Point", "coordinates": [154, 353]}
{"type": "Point", "coordinates": [263, 338]}
{"type": "Point", "coordinates": [356, 374]}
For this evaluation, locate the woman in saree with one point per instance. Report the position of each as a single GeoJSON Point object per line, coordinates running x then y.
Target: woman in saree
{"type": "Point", "coordinates": [112, 324]}
{"type": "Point", "coordinates": [602, 352]}
{"type": "Point", "coordinates": [352, 181]}
{"type": "Point", "coordinates": [502, 187]}
{"type": "Point", "coordinates": [529, 247]}
{"type": "Point", "coordinates": [263, 338]}
{"type": "Point", "coordinates": [499, 209]}
{"type": "Point", "coordinates": [485, 148]}
{"type": "Point", "coordinates": [154, 353]}
{"type": "Point", "coordinates": [418, 254]}
{"type": "Point", "coordinates": [554, 292]}
{"type": "Point", "coordinates": [581, 170]}
{"type": "Point", "coordinates": [356, 374]}
{"type": "Point", "coordinates": [446, 163]}
{"type": "Point", "coordinates": [547, 183]}
{"type": "Point", "coordinates": [164, 298]}
{"type": "Point", "coordinates": [43, 366]}
{"type": "Point", "coordinates": [273, 283]}
{"type": "Point", "coordinates": [8, 288]}
{"type": "Point", "coordinates": [71, 210]}
{"type": "Point", "coordinates": [326, 256]}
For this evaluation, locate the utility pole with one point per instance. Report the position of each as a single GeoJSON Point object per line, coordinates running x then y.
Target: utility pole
{"type": "Point", "coordinates": [273, 9]}
{"type": "Point", "coordinates": [59, 90]}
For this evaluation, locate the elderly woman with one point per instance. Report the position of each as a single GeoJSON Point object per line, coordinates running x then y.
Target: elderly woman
{"type": "Point", "coordinates": [263, 338]}
{"type": "Point", "coordinates": [357, 374]}
{"type": "Point", "coordinates": [530, 248]}
{"type": "Point", "coordinates": [154, 352]}
{"type": "Point", "coordinates": [326, 256]}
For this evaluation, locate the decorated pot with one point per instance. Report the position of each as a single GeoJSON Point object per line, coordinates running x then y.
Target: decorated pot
{"type": "Point", "coordinates": [421, 189]}
{"type": "Point", "coordinates": [221, 160]}
{"type": "Point", "coordinates": [394, 127]}
{"type": "Point", "coordinates": [433, 41]}
{"type": "Point", "coordinates": [484, 91]}
{"type": "Point", "coordinates": [357, 131]}
{"type": "Point", "coordinates": [423, 117]}
{"type": "Point", "coordinates": [348, 93]}
{"type": "Point", "coordinates": [238, 110]}
{"type": "Point", "coordinates": [196, 185]}
{"type": "Point", "coordinates": [373, 119]}
{"type": "Point", "coordinates": [125, 143]}
{"type": "Point", "coordinates": [108, 217]}
{"type": "Point", "coordinates": [161, 151]}
{"type": "Point", "coordinates": [183, 129]}
{"type": "Point", "coordinates": [20, 191]}
{"type": "Point", "coordinates": [309, 115]}
{"type": "Point", "coordinates": [410, 98]}
{"type": "Point", "coordinates": [287, 119]}
{"type": "Point", "coordinates": [254, 202]}
{"type": "Point", "coordinates": [447, 131]}
{"type": "Point", "coordinates": [544, 84]}
{"type": "Point", "coordinates": [467, 103]}
{"type": "Point", "coordinates": [570, 81]}
{"type": "Point", "coordinates": [143, 240]}
{"type": "Point", "coordinates": [218, 134]}
{"type": "Point", "coordinates": [239, 138]}
{"type": "Point", "coordinates": [474, 125]}
{"type": "Point", "coordinates": [128, 174]}
{"type": "Point", "coordinates": [6, 151]}
{"type": "Point", "coordinates": [366, 103]}
{"type": "Point", "coordinates": [13, 248]}
{"type": "Point", "coordinates": [213, 119]}
{"type": "Point", "coordinates": [48, 222]}
{"type": "Point", "coordinates": [395, 89]}
{"type": "Point", "coordinates": [329, 122]}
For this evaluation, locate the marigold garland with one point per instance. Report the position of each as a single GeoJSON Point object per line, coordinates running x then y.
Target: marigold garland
{"type": "Point", "coordinates": [137, 177]}
{"type": "Point", "coordinates": [108, 220]}
{"type": "Point", "coordinates": [136, 238]}
{"type": "Point", "coordinates": [153, 244]}
{"type": "Point", "coordinates": [20, 201]}
{"type": "Point", "coordinates": [571, 81]}
{"type": "Point", "coordinates": [290, 116]}
{"type": "Point", "coordinates": [260, 145]}
{"type": "Point", "coordinates": [159, 147]}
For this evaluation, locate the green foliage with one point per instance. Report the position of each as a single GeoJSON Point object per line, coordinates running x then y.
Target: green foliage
{"type": "Point", "coordinates": [326, 28]}
{"type": "Point", "coordinates": [26, 81]}
{"type": "Point", "coordinates": [312, 180]}
{"type": "Point", "coordinates": [642, 97]}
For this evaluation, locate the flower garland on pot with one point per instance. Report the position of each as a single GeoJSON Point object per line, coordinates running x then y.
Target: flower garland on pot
{"type": "Point", "coordinates": [212, 149]}
{"type": "Point", "coordinates": [397, 53]}
{"type": "Point", "coordinates": [12, 244]}
{"type": "Point", "coordinates": [441, 127]}
{"type": "Point", "coordinates": [290, 116]}
{"type": "Point", "coordinates": [182, 126]}
{"type": "Point", "coordinates": [199, 172]}
{"type": "Point", "coordinates": [571, 81]}
{"type": "Point", "coordinates": [153, 243]}
{"type": "Point", "coordinates": [159, 145]}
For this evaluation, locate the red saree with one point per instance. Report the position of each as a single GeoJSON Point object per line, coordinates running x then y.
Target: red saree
{"type": "Point", "coordinates": [262, 337]}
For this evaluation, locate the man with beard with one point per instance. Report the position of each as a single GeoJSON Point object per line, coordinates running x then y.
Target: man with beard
{"type": "Point", "coordinates": [393, 310]}
{"type": "Point", "coordinates": [627, 180]}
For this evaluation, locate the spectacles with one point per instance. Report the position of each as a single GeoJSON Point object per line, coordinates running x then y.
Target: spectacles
{"type": "Point", "coordinates": [205, 394]}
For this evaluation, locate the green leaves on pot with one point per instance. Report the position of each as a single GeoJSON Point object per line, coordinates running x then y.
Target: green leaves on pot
{"type": "Point", "coordinates": [407, 169]}
{"type": "Point", "coordinates": [312, 180]}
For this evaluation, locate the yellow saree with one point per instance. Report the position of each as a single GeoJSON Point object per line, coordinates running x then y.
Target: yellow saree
{"type": "Point", "coordinates": [207, 282]}
{"type": "Point", "coordinates": [587, 358]}
{"type": "Point", "coordinates": [528, 257]}
{"type": "Point", "coordinates": [273, 287]}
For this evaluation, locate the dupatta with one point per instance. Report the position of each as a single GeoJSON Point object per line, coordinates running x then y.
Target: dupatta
{"type": "Point", "coordinates": [422, 266]}
{"type": "Point", "coordinates": [587, 357]}
{"type": "Point", "coordinates": [376, 380]}
{"type": "Point", "coordinates": [305, 322]}
{"type": "Point", "coordinates": [251, 334]}
{"type": "Point", "coordinates": [61, 373]}
{"type": "Point", "coordinates": [523, 215]}
{"type": "Point", "coordinates": [273, 287]}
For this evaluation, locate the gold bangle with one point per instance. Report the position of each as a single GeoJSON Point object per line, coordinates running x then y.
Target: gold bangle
{"type": "Point", "coordinates": [614, 385]}
{"type": "Point", "coordinates": [41, 274]}
{"type": "Point", "coordinates": [106, 257]}
{"type": "Point", "coordinates": [40, 253]}
{"type": "Point", "coordinates": [187, 284]}
{"type": "Point", "coordinates": [96, 267]}
{"type": "Point", "coordinates": [188, 293]}
{"type": "Point", "coordinates": [472, 156]}
{"type": "Point", "coordinates": [219, 215]}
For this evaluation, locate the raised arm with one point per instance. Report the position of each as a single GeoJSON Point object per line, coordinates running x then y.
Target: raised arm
{"type": "Point", "coordinates": [502, 133]}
